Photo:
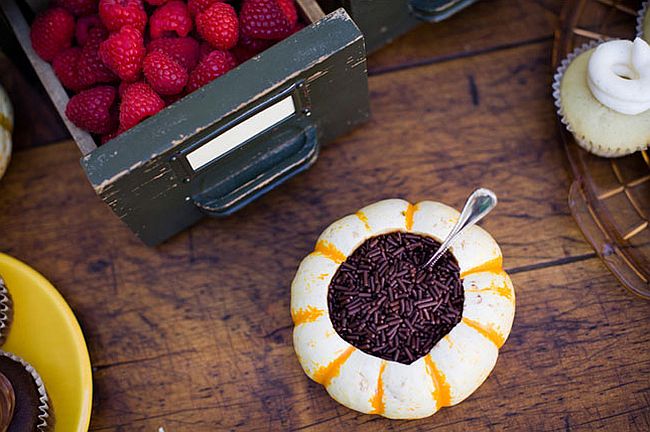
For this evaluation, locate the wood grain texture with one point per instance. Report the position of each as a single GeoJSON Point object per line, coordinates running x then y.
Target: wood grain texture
{"type": "Point", "coordinates": [195, 335]}
{"type": "Point", "coordinates": [483, 27]}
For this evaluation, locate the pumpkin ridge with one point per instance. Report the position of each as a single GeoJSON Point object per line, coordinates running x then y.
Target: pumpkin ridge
{"type": "Point", "coordinates": [442, 391]}
{"type": "Point", "coordinates": [502, 290]}
{"type": "Point", "coordinates": [492, 266]}
{"type": "Point", "coordinates": [307, 315]}
{"type": "Point", "coordinates": [325, 374]}
{"type": "Point", "coordinates": [377, 401]}
{"type": "Point", "coordinates": [363, 218]}
{"type": "Point", "coordinates": [487, 331]}
{"type": "Point", "coordinates": [328, 250]}
{"type": "Point", "coordinates": [409, 215]}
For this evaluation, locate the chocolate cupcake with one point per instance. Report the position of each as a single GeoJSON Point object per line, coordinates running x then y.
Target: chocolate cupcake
{"type": "Point", "coordinates": [384, 333]}
{"type": "Point", "coordinates": [7, 403]}
{"type": "Point", "coordinates": [24, 404]}
{"type": "Point", "coordinates": [6, 312]}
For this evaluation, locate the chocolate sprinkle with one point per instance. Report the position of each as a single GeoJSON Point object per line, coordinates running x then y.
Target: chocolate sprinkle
{"type": "Point", "coordinates": [384, 302]}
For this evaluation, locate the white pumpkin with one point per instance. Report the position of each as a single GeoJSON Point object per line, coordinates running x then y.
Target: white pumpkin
{"type": "Point", "coordinates": [455, 367]}
{"type": "Point", "coordinates": [6, 127]}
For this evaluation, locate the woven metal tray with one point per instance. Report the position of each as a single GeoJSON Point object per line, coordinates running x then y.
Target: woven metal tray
{"type": "Point", "coordinates": [609, 198]}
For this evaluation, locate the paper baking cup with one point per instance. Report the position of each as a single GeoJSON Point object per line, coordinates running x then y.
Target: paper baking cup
{"type": "Point", "coordinates": [557, 81]}
{"type": "Point", "coordinates": [640, 18]}
{"type": "Point", "coordinates": [45, 417]}
{"type": "Point", "coordinates": [6, 312]}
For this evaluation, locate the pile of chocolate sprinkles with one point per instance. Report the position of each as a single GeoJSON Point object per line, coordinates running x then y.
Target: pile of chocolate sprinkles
{"type": "Point", "coordinates": [383, 301]}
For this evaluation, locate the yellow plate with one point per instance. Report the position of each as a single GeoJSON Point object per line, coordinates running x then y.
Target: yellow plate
{"type": "Point", "coordinates": [46, 334]}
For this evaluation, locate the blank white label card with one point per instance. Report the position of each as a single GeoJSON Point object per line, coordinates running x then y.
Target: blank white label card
{"type": "Point", "coordinates": [242, 132]}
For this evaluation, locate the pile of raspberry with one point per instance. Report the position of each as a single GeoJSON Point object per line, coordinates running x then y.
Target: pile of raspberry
{"type": "Point", "coordinates": [125, 60]}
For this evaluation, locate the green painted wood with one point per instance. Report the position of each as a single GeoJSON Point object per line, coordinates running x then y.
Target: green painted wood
{"type": "Point", "coordinates": [135, 173]}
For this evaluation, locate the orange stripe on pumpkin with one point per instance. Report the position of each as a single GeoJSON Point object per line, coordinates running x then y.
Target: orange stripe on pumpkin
{"type": "Point", "coordinates": [330, 251]}
{"type": "Point", "coordinates": [502, 290]}
{"type": "Point", "coordinates": [494, 266]}
{"type": "Point", "coordinates": [325, 374]}
{"type": "Point", "coordinates": [487, 331]}
{"type": "Point", "coordinates": [410, 212]}
{"type": "Point", "coordinates": [363, 218]}
{"type": "Point", "coordinates": [302, 316]}
{"type": "Point", "coordinates": [442, 391]}
{"type": "Point", "coordinates": [377, 401]}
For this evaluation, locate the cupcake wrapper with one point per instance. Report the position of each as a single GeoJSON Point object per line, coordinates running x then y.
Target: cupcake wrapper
{"type": "Point", "coordinates": [557, 80]}
{"type": "Point", "coordinates": [46, 411]}
{"type": "Point", "coordinates": [641, 17]}
{"type": "Point", "coordinates": [6, 311]}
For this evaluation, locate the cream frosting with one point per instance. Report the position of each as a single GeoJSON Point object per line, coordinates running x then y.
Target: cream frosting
{"type": "Point", "coordinates": [619, 75]}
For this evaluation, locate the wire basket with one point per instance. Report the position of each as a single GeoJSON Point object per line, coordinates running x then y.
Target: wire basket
{"type": "Point", "coordinates": [609, 198]}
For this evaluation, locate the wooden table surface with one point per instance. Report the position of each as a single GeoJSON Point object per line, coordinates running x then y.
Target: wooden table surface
{"type": "Point", "coordinates": [195, 335]}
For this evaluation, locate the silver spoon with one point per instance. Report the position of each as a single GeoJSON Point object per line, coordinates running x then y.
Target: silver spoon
{"type": "Point", "coordinates": [479, 203]}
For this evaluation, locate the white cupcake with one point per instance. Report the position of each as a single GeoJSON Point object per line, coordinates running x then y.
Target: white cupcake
{"type": "Point", "coordinates": [602, 92]}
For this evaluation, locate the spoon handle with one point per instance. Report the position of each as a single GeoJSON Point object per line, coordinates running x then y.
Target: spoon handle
{"type": "Point", "coordinates": [479, 204]}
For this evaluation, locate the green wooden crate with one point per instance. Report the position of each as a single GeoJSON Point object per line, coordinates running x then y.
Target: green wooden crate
{"type": "Point", "coordinates": [231, 141]}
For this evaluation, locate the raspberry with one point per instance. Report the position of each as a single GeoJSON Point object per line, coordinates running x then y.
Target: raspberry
{"type": "Point", "coordinates": [170, 100]}
{"type": "Point", "coordinates": [183, 50]}
{"type": "Point", "coordinates": [52, 32]}
{"type": "Point", "coordinates": [218, 25]}
{"type": "Point", "coordinates": [164, 74]}
{"type": "Point", "coordinates": [91, 68]}
{"type": "Point", "coordinates": [156, 2]}
{"type": "Point", "coordinates": [249, 47]}
{"type": "Point", "coordinates": [116, 14]}
{"type": "Point", "coordinates": [138, 103]}
{"type": "Point", "coordinates": [94, 110]}
{"type": "Point", "coordinates": [65, 68]}
{"type": "Point", "coordinates": [172, 17]}
{"type": "Point", "coordinates": [268, 19]}
{"type": "Point", "coordinates": [212, 66]}
{"type": "Point", "coordinates": [84, 25]}
{"type": "Point", "coordinates": [254, 44]}
{"type": "Point", "coordinates": [77, 8]}
{"type": "Point", "coordinates": [197, 6]}
{"type": "Point", "coordinates": [123, 53]}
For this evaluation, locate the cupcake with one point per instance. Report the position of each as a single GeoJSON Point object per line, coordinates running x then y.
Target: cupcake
{"type": "Point", "coordinates": [643, 22]}
{"type": "Point", "coordinates": [602, 92]}
{"type": "Point", "coordinates": [387, 335]}
{"type": "Point", "coordinates": [24, 404]}
{"type": "Point", "coordinates": [6, 312]}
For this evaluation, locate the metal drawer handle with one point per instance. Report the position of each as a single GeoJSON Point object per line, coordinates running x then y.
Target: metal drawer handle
{"type": "Point", "coordinates": [226, 204]}
{"type": "Point", "coordinates": [437, 10]}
